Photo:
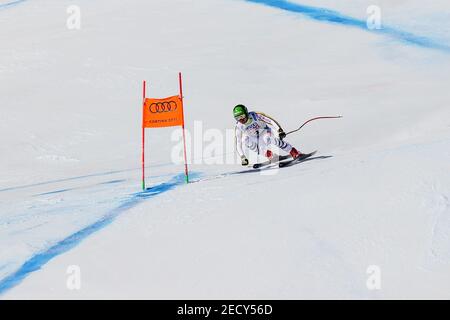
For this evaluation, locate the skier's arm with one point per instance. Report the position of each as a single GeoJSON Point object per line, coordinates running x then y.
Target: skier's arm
{"type": "Point", "coordinates": [272, 123]}
{"type": "Point", "coordinates": [238, 134]}
{"type": "Point", "coordinates": [269, 120]}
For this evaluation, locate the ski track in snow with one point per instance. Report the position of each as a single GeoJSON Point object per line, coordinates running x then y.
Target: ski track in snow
{"type": "Point", "coordinates": [38, 260]}
{"type": "Point", "coordinates": [331, 16]}
{"type": "Point", "coordinates": [440, 241]}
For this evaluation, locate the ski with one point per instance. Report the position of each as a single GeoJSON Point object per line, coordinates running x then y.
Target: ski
{"type": "Point", "coordinates": [299, 159]}
{"type": "Point", "coordinates": [273, 161]}
{"type": "Point", "coordinates": [251, 170]}
{"type": "Point", "coordinates": [283, 161]}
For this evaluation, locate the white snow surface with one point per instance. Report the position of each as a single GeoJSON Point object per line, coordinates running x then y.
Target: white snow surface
{"type": "Point", "coordinates": [70, 107]}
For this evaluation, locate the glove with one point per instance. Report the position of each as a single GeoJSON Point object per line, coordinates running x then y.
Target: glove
{"type": "Point", "coordinates": [281, 134]}
{"type": "Point", "coordinates": [244, 161]}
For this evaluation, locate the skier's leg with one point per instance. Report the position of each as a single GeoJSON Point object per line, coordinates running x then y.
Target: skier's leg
{"type": "Point", "coordinates": [283, 145]}
{"type": "Point", "coordinates": [264, 145]}
{"type": "Point", "coordinates": [271, 139]}
{"type": "Point", "coordinates": [251, 143]}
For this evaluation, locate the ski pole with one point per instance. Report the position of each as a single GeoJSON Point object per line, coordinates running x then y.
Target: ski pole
{"type": "Point", "coordinates": [317, 118]}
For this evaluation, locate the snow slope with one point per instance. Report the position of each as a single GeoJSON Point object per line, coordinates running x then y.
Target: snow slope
{"type": "Point", "coordinates": [70, 146]}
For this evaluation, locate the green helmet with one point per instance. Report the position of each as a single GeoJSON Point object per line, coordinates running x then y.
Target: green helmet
{"type": "Point", "coordinates": [240, 110]}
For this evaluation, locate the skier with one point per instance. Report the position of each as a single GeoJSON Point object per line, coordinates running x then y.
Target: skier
{"type": "Point", "coordinates": [257, 131]}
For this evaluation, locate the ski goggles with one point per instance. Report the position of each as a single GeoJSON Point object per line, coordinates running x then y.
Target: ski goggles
{"type": "Point", "coordinates": [241, 117]}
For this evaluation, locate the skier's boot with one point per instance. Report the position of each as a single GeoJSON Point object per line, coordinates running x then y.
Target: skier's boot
{"type": "Point", "coordinates": [295, 154]}
{"type": "Point", "coordinates": [269, 155]}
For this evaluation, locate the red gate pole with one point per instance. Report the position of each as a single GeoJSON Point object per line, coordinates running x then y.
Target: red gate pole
{"type": "Point", "coordinates": [143, 134]}
{"type": "Point", "coordinates": [184, 136]}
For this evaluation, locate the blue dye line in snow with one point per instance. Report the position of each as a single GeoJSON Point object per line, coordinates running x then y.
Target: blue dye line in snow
{"type": "Point", "coordinates": [113, 181]}
{"type": "Point", "coordinates": [10, 4]}
{"type": "Point", "coordinates": [37, 261]}
{"type": "Point", "coordinates": [71, 189]}
{"type": "Point", "coordinates": [64, 180]}
{"type": "Point", "coordinates": [77, 178]}
{"type": "Point", "coordinates": [53, 192]}
{"type": "Point", "coordinates": [331, 16]}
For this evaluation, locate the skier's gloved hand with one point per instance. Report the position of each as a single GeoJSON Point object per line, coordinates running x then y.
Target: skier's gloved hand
{"type": "Point", "coordinates": [281, 134]}
{"type": "Point", "coordinates": [244, 161]}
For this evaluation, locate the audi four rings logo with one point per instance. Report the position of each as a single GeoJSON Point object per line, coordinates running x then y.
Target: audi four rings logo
{"type": "Point", "coordinates": [161, 107]}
